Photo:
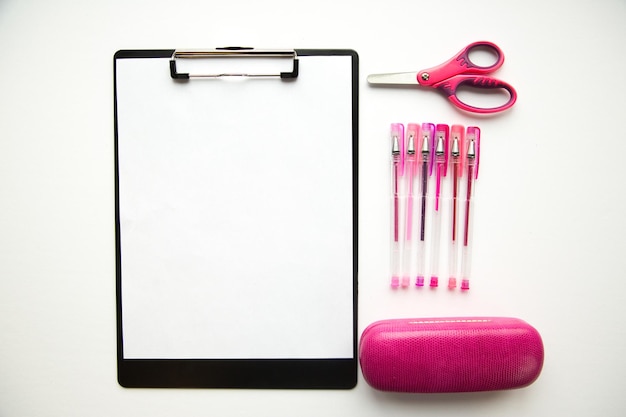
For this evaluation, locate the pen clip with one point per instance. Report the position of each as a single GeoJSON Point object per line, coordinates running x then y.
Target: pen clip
{"type": "Point", "coordinates": [397, 145]}
{"type": "Point", "coordinates": [473, 147]}
{"type": "Point", "coordinates": [442, 149]}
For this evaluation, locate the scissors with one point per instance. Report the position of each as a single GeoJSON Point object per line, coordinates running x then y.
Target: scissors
{"type": "Point", "coordinates": [456, 72]}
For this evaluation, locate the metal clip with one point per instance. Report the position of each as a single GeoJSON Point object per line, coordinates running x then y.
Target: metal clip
{"type": "Point", "coordinates": [233, 52]}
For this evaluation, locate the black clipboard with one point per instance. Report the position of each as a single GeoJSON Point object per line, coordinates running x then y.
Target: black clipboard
{"type": "Point", "coordinates": [236, 203]}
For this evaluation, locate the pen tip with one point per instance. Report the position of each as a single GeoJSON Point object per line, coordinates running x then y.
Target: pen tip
{"type": "Point", "coordinates": [395, 147]}
{"type": "Point", "coordinates": [471, 149]}
{"type": "Point", "coordinates": [455, 147]}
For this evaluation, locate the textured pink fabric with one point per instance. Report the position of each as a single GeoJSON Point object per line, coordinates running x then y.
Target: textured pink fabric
{"type": "Point", "coordinates": [455, 354]}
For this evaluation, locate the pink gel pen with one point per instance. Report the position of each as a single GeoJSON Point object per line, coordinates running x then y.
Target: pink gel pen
{"type": "Point", "coordinates": [412, 133]}
{"type": "Point", "coordinates": [472, 158]}
{"type": "Point", "coordinates": [457, 150]}
{"type": "Point", "coordinates": [425, 145]}
{"type": "Point", "coordinates": [397, 168]}
{"type": "Point", "coordinates": [440, 166]}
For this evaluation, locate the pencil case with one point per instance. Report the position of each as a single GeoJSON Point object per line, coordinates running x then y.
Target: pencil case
{"type": "Point", "coordinates": [457, 354]}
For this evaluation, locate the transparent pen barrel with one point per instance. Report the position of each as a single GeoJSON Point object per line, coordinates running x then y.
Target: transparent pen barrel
{"type": "Point", "coordinates": [435, 247]}
{"type": "Point", "coordinates": [453, 248]}
{"type": "Point", "coordinates": [407, 263]}
{"type": "Point", "coordinates": [436, 220]}
{"type": "Point", "coordinates": [466, 255]}
{"type": "Point", "coordinates": [420, 262]}
{"type": "Point", "coordinates": [421, 219]}
{"type": "Point", "coordinates": [396, 227]}
{"type": "Point", "coordinates": [468, 229]}
{"type": "Point", "coordinates": [407, 251]}
{"type": "Point", "coordinates": [395, 264]}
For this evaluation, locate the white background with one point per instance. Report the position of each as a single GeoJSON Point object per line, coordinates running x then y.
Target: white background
{"type": "Point", "coordinates": [550, 221]}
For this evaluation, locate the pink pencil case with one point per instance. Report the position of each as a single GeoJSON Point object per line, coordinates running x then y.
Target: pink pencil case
{"type": "Point", "coordinates": [456, 354]}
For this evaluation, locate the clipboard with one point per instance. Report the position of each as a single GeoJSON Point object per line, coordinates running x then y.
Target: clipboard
{"type": "Point", "coordinates": [236, 204]}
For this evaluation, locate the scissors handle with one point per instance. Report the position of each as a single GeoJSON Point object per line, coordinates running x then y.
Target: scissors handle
{"type": "Point", "coordinates": [451, 86]}
{"type": "Point", "coordinates": [461, 64]}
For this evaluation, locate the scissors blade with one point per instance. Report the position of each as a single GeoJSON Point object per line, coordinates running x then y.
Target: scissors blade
{"type": "Point", "coordinates": [396, 78]}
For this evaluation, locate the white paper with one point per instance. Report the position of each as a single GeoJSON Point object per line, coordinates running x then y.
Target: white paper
{"type": "Point", "coordinates": [236, 213]}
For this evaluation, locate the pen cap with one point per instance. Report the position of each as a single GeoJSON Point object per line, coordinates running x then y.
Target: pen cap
{"type": "Point", "coordinates": [457, 145]}
{"type": "Point", "coordinates": [473, 134]}
{"type": "Point", "coordinates": [428, 131]}
{"type": "Point", "coordinates": [397, 145]}
{"type": "Point", "coordinates": [455, 354]}
{"type": "Point", "coordinates": [443, 131]}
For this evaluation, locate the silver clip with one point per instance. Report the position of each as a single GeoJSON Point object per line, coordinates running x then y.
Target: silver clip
{"type": "Point", "coordinates": [232, 52]}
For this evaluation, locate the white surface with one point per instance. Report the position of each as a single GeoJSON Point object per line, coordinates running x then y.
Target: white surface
{"type": "Point", "coordinates": [230, 248]}
{"type": "Point", "coordinates": [549, 228]}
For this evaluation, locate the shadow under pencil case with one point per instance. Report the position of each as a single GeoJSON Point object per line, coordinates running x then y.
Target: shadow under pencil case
{"type": "Point", "coordinates": [456, 354]}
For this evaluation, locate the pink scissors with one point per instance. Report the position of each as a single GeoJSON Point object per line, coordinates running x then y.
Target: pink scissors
{"type": "Point", "coordinates": [456, 72]}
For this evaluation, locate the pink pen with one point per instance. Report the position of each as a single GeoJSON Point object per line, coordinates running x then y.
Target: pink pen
{"type": "Point", "coordinates": [473, 159]}
{"type": "Point", "coordinates": [440, 166]}
{"type": "Point", "coordinates": [425, 146]}
{"type": "Point", "coordinates": [456, 160]}
{"type": "Point", "coordinates": [412, 134]}
{"type": "Point", "coordinates": [397, 170]}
